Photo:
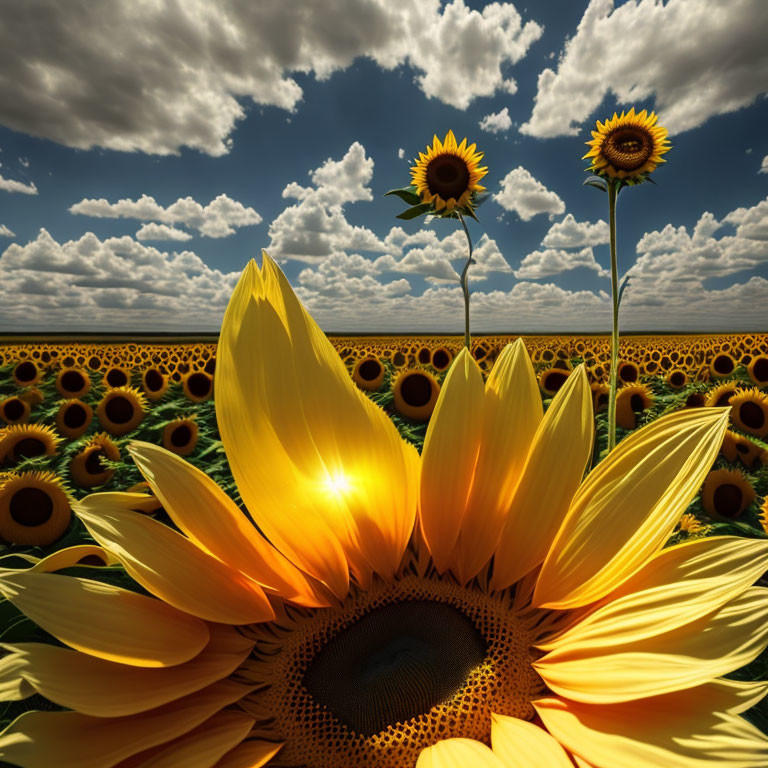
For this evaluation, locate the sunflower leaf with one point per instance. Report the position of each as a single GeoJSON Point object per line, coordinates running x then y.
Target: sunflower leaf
{"type": "Point", "coordinates": [415, 211]}
{"type": "Point", "coordinates": [407, 194]}
{"type": "Point", "coordinates": [596, 182]}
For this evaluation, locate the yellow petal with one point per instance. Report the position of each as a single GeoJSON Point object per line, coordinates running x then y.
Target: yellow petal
{"type": "Point", "coordinates": [206, 744]}
{"type": "Point", "coordinates": [628, 505]}
{"type": "Point", "coordinates": [171, 567]}
{"type": "Point", "coordinates": [459, 753]}
{"type": "Point", "coordinates": [541, 500]}
{"type": "Point", "coordinates": [72, 740]}
{"type": "Point", "coordinates": [512, 411]}
{"type": "Point", "coordinates": [105, 689]}
{"type": "Point", "coordinates": [209, 518]}
{"type": "Point", "coordinates": [678, 585]}
{"type": "Point", "coordinates": [678, 730]}
{"type": "Point", "coordinates": [250, 754]}
{"type": "Point", "coordinates": [13, 686]}
{"type": "Point", "coordinates": [106, 621]}
{"type": "Point", "coordinates": [525, 745]}
{"type": "Point", "coordinates": [307, 449]}
{"type": "Point", "coordinates": [449, 456]}
{"type": "Point", "coordinates": [715, 645]}
{"type": "Point", "coordinates": [70, 556]}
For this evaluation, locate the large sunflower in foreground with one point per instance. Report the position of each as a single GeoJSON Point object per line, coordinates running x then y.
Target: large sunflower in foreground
{"type": "Point", "coordinates": [481, 606]}
{"type": "Point", "coordinates": [447, 175]}
{"type": "Point", "coordinates": [628, 146]}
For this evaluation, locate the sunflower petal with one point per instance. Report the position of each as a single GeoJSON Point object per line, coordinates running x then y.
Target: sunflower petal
{"type": "Point", "coordinates": [171, 567]}
{"type": "Point", "coordinates": [678, 730]}
{"type": "Point", "coordinates": [678, 585]}
{"type": "Point", "coordinates": [70, 556]}
{"type": "Point", "coordinates": [448, 459]}
{"type": "Point", "coordinates": [307, 449]}
{"type": "Point", "coordinates": [105, 621]}
{"type": "Point", "coordinates": [72, 740]}
{"type": "Point", "coordinates": [564, 440]}
{"type": "Point", "coordinates": [105, 689]}
{"type": "Point", "coordinates": [203, 746]}
{"type": "Point", "coordinates": [13, 686]}
{"type": "Point", "coordinates": [628, 505]}
{"type": "Point", "coordinates": [520, 743]}
{"type": "Point", "coordinates": [459, 753]}
{"type": "Point", "coordinates": [207, 516]}
{"type": "Point", "coordinates": [512, 412]}
{"type": "Point", "coordinates": [250, 754]}
{"type": "Point", "coordinates": [687, 657]}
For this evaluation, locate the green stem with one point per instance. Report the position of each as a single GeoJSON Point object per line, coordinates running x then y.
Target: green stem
{"type": "Point", "coordinates": [613, 189]}
{"type": "Point", "coordinates": [464, 285]}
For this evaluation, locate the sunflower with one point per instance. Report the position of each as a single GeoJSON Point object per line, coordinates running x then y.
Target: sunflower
{"type": "Point", "coordinates": [34, 509]}
{"type": "Point", "coordinates": [26, 374]}
{"type": "Point", "coordinates": [441, 358]}
{"type": "Point", "coordinates": [736, 447]}
{"type": "Point", "coordinates": [627, 147]}
{"type": "Point", "coordinates": [116, 376]}
{"type": "Point", "coordinates": [632, 400]}
{"type": "Point", "coordinates": [198, 386]}
{"type": "Point", "coordinates": [415, 393]}
{"type": "Point", "coordinates": [73, 418]}
{"type": "Point", "coordinates": [154, 383]}
{"type": "Point", "coordinates": [86, 468]}
{"type": "Point", "coordinates": [72, 382]}
{"type": "Point", "coordinates": [402, 611]}
{"type": "Point", "coordinates": [749, 412]}
{"type": "Point", "coordinates": [600, 394]}
{"type": "Point", "coordinates": [758, 370]}
{"type": "Point", "coordinates": [180, 436]}
{"type": "Point", "coordinates": [726, 494]}
{"type": "Point", "coordinates": [628, 372]}
{"type": "Point", "coordinates": [121, 410]}
{"type": "Point", "coordinates": [677, 378]}
{"type": "Point", "coordinates": [14, 410]}
{"type": "Point", "coordinates": [722, 365]}
{"type": "Point", "coordinates": [25, 441]}
{"type": "Point", "coordinates": [722, 395]}
{"type": "Point", "coordinates": [552, 379]}
{"type": "Point", "coordinates": [690, 524]}
{"type": "Point", "coordinates": [447, 176]}
{"type": "Point", "coordinates": [368, 373]}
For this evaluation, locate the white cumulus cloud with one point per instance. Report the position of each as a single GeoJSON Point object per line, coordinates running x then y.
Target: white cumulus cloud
{"type": "Point", "coordinates": [553, 261]}
{"type": "Point", "coordinates": [497, 122]}
{"type": "Point", "coordinates": [695, 58]}
{"type": "Point", "coordinates": [154, 231]}
{"type": "Point", "coordinates": [5, 232]}
{"type": "Point", "coordinates": [526, 196]}
{"type": "Point", "coordinates": [764, 165]}
{"type": "Point", "coordinates": [157, 76]}
{"type": "Point", "coordinates": [220, 218]}
{"type": "Point", "coordinates": [11, 185]}
{"type": "Point", "coordinates": [570, 233]}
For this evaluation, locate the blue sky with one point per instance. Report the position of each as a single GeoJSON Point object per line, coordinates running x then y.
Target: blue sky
{"type": "Point", "coordinates": [280, 126]}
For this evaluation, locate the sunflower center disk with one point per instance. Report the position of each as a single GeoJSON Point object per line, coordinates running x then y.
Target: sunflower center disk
{"type": "Point", "coordinates": [374, 681]}
{"type": "Point", "coordinates": [628, 148]}
{"type": "Point", "coordinates": [394, 664]}
{"type": "Point", "coordinates": [448, 176]}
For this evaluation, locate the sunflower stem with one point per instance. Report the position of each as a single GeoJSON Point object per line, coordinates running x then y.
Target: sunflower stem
{"type": "Point", "coordinates": [464, 283]}
{"type": "Point", "coordinates": [613, 188]}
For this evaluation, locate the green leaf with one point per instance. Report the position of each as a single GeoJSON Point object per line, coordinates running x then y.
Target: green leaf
{"type": "Point", "coordinates": [417, 210]}
{"type": "Point", "coordinates": [596, 182]}
{"type": "Point", "coordinates": [407, 194]}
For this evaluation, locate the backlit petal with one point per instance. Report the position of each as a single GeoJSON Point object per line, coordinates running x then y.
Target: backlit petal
{"type": "Point", "coordinates": [449, 456]}
{"type": "Point", "coordinates": [678, 585]}
{"type": "Point", "coordinates": [106, 689]}
{"type": "Point", "coordinates": [207, 516]}
{"type": "Point", "coordinates": [678, 730]}
{"type": "Point", "coordinates": [695, 654]}
{"type": "Point", "coordinates": [249, 754]}
{"type": "Point", "coordinates": [512, 411]}
{"type": "Point", "coordinates": [541, 500]}
{"type": "Point", "coordinates": [105, 621]}
{"type": "Point", "coordinates": [520, 743]}
{"type": "Point", "coordinates": [73, 740]}
{"type": "Point", "coordinates": [459, 753]}
{"type": "Point", "coordinates": [172, 567]}
{"type": "Point", "coordinates": [628, 505]}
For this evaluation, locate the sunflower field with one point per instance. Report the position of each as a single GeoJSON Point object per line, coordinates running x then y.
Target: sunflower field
{"type": "Point", "coordinates": [69, 409]}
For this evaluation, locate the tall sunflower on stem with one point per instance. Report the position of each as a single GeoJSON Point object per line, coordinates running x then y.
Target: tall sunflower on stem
{"type": "Point", "coordinates": [624, 151]}
{"type": "Point", "coordinates": [444, 183]}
